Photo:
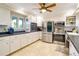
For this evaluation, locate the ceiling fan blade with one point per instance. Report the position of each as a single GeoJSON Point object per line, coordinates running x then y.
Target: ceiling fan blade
{"type": "Point", "coordinates": [52, 5]}
{"type": "Point", "coordinates": [49, 10]}
{"type": "Point", "coordinates": [42, 4]}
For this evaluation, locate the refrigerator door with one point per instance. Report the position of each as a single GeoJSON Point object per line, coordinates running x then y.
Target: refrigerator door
{"type": "Point", "coordinates": [49, 26]}
{"type": "Point", "coordinates": [47, 37]}
{"type": "Point", "coordinates": [44, 26]}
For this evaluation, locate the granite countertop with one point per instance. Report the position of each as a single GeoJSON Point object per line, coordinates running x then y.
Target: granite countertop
{"type": "Point", "coordinates": [74, 38]}
{"type": "Point", "coordinates": [16, 33]}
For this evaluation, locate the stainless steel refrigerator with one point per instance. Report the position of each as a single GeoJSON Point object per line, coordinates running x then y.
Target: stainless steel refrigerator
{"type": "Point", "coordinates": [48, 30]}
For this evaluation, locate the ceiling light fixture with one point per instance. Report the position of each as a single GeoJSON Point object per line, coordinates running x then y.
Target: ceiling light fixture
{"type": "Point", "coordinates": [43, 10]}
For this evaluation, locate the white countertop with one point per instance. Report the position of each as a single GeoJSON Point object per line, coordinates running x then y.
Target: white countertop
{"type": "Point", "coordinates": [59, 33]}
{"type": "Point", "coordinates": [71, 33]}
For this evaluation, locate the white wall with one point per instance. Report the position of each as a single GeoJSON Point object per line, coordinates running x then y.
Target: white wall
{"type": "Point", "coordinates": [58, 16]}
{"type": "Point", "coordinates": [50, 17]}
{"type": "Point", "coordinates": [32, 18]}
{"type": "Point", "coordinates": [39, 20]}
{"type": "Point", "coordinates": [4, 16]}
{"type": "Point", "coordinates": [5, 20]}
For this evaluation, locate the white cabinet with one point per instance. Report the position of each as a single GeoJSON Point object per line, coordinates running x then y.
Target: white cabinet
{"type": "Point", "coordinates": [40, 33]}
{"type": "Point", "coordinates": [72, 50]}
{"type": "Point", "coordinates": [24, 39]}
{"type": "Point", "coordinates": [14, 43]}
{"type": "Point", "coordinates": [35, 36]}
{"type": "Point", "coordinates": [4, 46]}
{"type": "Point", "coordinates": [10, 44]}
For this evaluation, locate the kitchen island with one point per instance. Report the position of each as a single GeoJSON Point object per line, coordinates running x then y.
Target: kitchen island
{"type": "Point", "coordinates": [73, 39]}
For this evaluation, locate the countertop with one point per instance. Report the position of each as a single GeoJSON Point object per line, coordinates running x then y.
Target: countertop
{"type": "Point", "coordinates": [59, 33]}
{"type": "Point", "coordinates": [16, 33]}
{"type": "Point", "coordinates": [74, 38]}
{"type": "Point", "coordinates": [74, 34]}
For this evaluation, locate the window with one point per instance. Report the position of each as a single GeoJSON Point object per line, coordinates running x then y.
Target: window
{"type": "Point", "coordinates": [26, 18]}
{"type": "Point", "coordinates": [14, 22]}
{"type": "Point", "coordinates": [20, 23]}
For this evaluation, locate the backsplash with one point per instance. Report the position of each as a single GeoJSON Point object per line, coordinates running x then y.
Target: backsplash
{"type": "Point", "coordinates": [69, 28]}
{"type": "Point", "coordinates": [3, 28]}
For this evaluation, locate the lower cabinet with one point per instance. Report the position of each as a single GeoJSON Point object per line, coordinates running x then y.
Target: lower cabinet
{"type": "Point", "coordinates": [4, 46]}
{"type": "Point", "coordinates": [72, 50]}
{"type": "Point", "coordinates": [24, 40]}
{"type": "Point", "coordinates": [40, 33]}
{"type": "Point", "coordinates": [10, 44]}
{"type": "Point", "coordinates": [14, 43]}
{"type": "Point", "coordinates": [35, 37]}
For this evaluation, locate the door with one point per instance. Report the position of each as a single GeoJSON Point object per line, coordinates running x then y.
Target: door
{"type": "Point", "coordinates": [49, 26]}
{"type": "Point", "coordinates": [44, 36]}
{"type": "Point", "coordinates": [49, 37]}
{"type": "Point", "coordinates": [44, 26]}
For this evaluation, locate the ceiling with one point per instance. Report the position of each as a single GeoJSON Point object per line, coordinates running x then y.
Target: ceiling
{"type": "Point", "coordinates": [60, 9]}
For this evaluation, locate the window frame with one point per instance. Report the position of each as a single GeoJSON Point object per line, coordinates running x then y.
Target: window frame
{"type": "Point", "coordinates": [15, 18]}
{"type": "Point", "coordinates": [22, 23]}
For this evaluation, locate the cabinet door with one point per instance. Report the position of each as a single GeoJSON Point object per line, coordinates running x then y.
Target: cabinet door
{"type": "Point", "coordinates": [4, 46]}
{"type": "Point", "coordinates": [24, 39]}
{"type": "Point", "coordinates": [18, 41]}
{"type": "Point", "coordinates": [72, 50]}
{"type": "Point", "coordinates": [44, 37]}
{"type": "Point", "coordinates": [30, 38]}
{"type": "Point", "coordinates": [40, 35]}
{"type": "Point", "coordinates": [14, 43]}
{"type": "Point", "coordinates": [49, 37]}
{"type": "Point", "coordinates": [35, 36]}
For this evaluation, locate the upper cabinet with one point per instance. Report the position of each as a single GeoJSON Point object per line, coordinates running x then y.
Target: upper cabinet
{"type": "Point", "coordinates": [71, 20]}
{"type": "Point", "coordinates": [4, 16]}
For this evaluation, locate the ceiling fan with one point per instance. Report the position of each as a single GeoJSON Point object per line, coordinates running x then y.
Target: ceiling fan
{"type": "Point", "coordinates": [43, 8]}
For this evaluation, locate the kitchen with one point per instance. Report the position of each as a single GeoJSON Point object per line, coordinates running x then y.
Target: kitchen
{"type": "Point", "coordinates": [24, 26]}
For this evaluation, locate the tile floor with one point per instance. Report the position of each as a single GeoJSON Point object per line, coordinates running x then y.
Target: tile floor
{"type": "Point", "coordinates": [40, 48]}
